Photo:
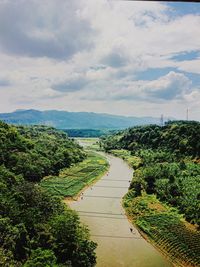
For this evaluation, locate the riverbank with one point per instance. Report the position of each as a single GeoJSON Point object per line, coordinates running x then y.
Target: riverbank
{"type": "Point", "coordinates": [161, 224]}
{"type": "Point", "coordinates": [165, 228]}
{"type": "Point", "coordinates": [72, 181]}
{"type": "Point", "coordinates": [101, 209]}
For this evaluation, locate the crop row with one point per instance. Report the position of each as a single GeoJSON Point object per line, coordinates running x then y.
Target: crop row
{"type": "Point", "coordinates": [172, 236]}
{"type": "Point", "coordinates": [72, 180]}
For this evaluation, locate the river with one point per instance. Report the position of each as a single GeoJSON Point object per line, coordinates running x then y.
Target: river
{"type": "Point", "coordinates": [100, 208]}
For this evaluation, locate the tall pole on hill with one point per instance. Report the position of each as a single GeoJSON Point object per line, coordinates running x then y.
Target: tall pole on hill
{"type": "Point", "coordinates": [162, 120]}
{"type": "Point", "coordinates": [187, 114]}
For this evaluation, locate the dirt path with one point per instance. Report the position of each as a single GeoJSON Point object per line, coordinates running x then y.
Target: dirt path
{"type": "Point", "coordinates": [100, 208]}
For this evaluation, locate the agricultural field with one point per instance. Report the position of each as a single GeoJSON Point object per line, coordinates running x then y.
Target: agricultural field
{"type": "Point", "coordinates": [165, 227]}
{"type": "Point", "coordinates": [89, 143]}
{"type": "Point", "coordinates": [87, 140]}
{"type": "Point", "coordinates": [72, 180]}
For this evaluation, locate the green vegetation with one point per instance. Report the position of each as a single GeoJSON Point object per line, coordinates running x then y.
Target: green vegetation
{"type": "Point", "coordinates": [90, 143]}
{"type": "Point", "coordinates": [167, 173]}
{"type": "Point", "coordinates": [165, 227]}
{"type": "Point", "coordinates": [37, 151]}
{"type": "Point", "coordinates": [37, 229]}
{"type": "Point", "coordinates": [167, 168]}
{"type": "Point", "coordinates": [180, 138]}
{"type": "Point", "coordinates": [72, 180]}
{"type": "Point", "coordinates": [178, 184]}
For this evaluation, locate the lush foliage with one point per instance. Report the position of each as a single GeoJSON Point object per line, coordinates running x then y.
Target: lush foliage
{"type": "Point", "coordinates": [165, 184]}
{"type": "Point", "coordinates": [31, 220]}
{"type": "Point", "coordinates": [180, 138]}
{"type": "Point", "coordinates": [36, 229]}
{"type": "Point", "coordinates": [175, 183]}
{"type": "Point", "coordinates": [169, 164]}
{"type": "Point", "coordinates": [72, 180]}
{"type": "Point", "coordinates": [36, 151]}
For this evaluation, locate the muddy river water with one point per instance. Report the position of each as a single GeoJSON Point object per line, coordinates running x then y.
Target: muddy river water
{"type": "Point", "coordinates": [100, 208]}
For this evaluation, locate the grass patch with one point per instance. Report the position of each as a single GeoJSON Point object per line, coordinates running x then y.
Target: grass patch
{"type": "Point", "coordinates": [72, 180]}
{"type": "Point", "coordinates": [165, 227]}
{"type": "Point", "coordinates": [88, 139]}
{"type": "Point", "coordinates": [89, 143]}
{"type": "Point", "coordinates": [133, 161]}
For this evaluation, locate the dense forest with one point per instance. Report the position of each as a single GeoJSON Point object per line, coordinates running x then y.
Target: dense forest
{"type": "Point", "coordinates": [179, 137]}
{"type": "Point", "coordinates": [169, 163]}
{"type": "Point", "coordinates": [36, 229]}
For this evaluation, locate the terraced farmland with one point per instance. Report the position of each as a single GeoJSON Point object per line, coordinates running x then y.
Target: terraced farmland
{"type": "Point", "coordinates": [173, 237]}
{"type": "Point", "coordinates": [72, 180]}
{"type": "Point", "coordinates": [165, 227]}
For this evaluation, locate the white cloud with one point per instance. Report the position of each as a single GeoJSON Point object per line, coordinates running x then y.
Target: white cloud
{"type": "Point", "coordinates": [43, 29]}
{"type": "Point", "coordinates": [171, 86]}
{"type": "Point", "coordinates": [192, 66]}
{"type": "Point", "coordinates": [84, 52]}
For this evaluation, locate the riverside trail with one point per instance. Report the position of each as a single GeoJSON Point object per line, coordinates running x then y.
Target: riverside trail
{"type": "Point", "coordinates": [100, 207]}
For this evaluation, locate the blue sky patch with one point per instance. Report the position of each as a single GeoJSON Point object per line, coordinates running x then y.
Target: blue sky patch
{"type": "Point", "coordinates": [180, 8]}
{"type": "Point", "coordinates": [187, 56]}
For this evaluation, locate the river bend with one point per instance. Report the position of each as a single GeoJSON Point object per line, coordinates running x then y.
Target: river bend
{"type": "Point", "coordinates": [100, 208]}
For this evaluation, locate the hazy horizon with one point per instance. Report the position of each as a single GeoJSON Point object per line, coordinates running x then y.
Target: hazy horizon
{"type": "Point", "coordinates": [103, 113]}
{"type": "Point", "coordinates": [116, 57]}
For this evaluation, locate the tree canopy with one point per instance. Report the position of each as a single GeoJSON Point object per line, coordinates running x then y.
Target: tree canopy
{"type": "Point", "coordinates": [169, 163]}
{"type": "Point", "coordinates": [36, 229]}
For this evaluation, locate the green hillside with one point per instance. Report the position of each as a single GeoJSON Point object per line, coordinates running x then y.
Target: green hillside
{"type": "Point", "coordinates": [180, 137]}
{"type": "Point", "coordinates": [169, 162]}
{"type": "Point", "coordinates": [36, 229]}
{"type": "Point", "coordinates": [164, 195]}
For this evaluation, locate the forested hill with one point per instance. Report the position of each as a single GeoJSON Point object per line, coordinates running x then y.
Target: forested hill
{"type": "Point", "coordinates": [167, 162]}
{"type": "Point", "coordinates": [74, 120]}
{"type": "Point", "coordinates": [36, 151]}
{"type": "Point", "coordinates": [36, 229]}
{"type": "Point", "coordinates": [179, 137]}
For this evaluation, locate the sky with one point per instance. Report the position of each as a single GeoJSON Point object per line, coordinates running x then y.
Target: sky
{"type": "Point", "coordinates": [119, 57]}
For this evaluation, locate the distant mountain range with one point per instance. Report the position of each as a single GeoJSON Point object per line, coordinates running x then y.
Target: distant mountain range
{"type": "Point", "coordinates": [74, 120]}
